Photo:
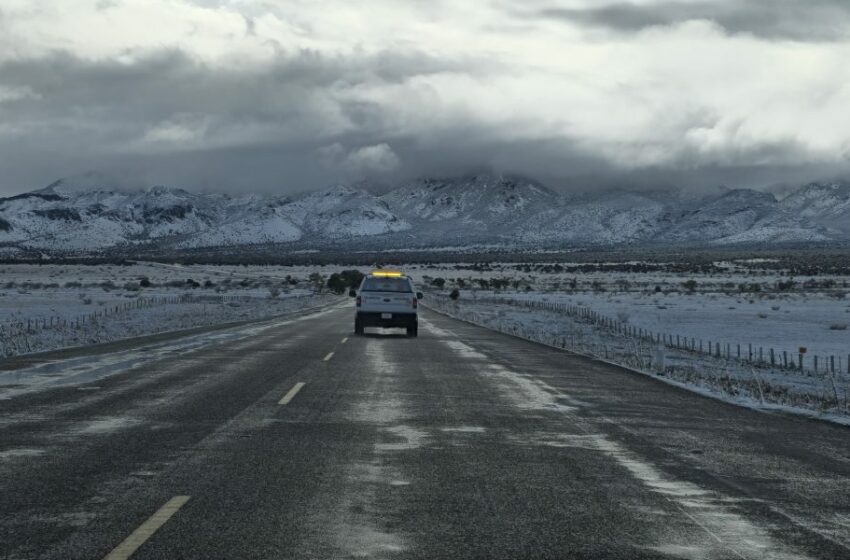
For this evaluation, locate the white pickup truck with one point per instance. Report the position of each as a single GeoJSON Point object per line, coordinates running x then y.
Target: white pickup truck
{"type": "Point", "coordinates": [386, 299]}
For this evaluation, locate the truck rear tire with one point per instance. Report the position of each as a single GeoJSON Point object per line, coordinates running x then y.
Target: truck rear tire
{"type": "Point", "coordinates": [413, 331]}
{"type": "Point", "coordinates": [358, 327]}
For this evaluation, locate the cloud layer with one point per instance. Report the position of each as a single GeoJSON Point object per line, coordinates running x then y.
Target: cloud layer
{"type": "Point", "coordinates": [251, 95]}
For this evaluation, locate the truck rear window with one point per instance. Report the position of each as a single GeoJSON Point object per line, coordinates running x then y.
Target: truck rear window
{"type": "Point", "coordinates": [386, 285]}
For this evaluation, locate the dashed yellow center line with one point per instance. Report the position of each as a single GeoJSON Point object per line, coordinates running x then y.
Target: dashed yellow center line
{"type": "Point", "coordinates": [328, 357]}
{"type": "Point", "coordinates": [291, 394]}
{"type": "Point", "coordinates": [138, 537]}
{"type": "Point", "coordinates": [344, 340]}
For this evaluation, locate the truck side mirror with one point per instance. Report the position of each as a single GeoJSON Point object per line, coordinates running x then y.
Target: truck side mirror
{"type": "Point", "coordinates": [419, 295]}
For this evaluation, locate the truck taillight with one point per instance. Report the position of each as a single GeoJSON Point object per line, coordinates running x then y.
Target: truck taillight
{"type": "Point", "coordinates": [415, 303]}
{"type": "Point", "coordinates": [358, 301]}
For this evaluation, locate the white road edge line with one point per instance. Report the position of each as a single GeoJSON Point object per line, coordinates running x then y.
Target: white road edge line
{"type": "Point", "coordinates": [291, 394]}
{"type": "Point", "coordinates": [344, 340]}
{"type": "Point", "coordinates": [328, 357]}
{"type": "Point", "coordinates": [138, 537]}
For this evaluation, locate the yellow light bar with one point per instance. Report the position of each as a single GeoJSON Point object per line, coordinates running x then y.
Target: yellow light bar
{"type": "Point", "coordinates": [387, 273]}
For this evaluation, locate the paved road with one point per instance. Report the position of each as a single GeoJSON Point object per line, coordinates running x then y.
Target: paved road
{"type": "Point", "coordinates": [299, 440]}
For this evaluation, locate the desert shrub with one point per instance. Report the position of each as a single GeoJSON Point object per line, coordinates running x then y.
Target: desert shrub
{"type": "Point", "coordinates": [339, 281]}
{"type": "Point", "coordinates": [318, 281]}
{"type": "Point", "coordinates": [752, 287]}
{"type": "Point", "coordinates": [785, 286]}
{"type": "Point", "coordinates": [352, 278]}
{"type": "Point", "coordinates": [438, 283]}
{"type": "Point", "coordinates": [144, 282]}
{"type": "Point", "coordinates": [274, 291]}
{"type": "Point", "coordinates": [838, 327]}
{"type": "Point", "coordinates": [336, 283]}
{"type": "Point", "coordinates": [455, 294]}
{"type": "Point", "coordinates": [73, 284]}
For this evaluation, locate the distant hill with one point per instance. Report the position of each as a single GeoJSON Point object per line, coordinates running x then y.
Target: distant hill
{"type": "Point", "coordinates": [87, 216]}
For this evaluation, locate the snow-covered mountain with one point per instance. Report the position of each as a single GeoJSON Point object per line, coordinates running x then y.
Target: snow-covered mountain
{"type": "Point", "coordinates": [85, 215]}
{"type": "Point", "coordinates": [827, 204]}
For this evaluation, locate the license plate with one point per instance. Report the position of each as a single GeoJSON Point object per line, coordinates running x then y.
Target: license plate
{"type": "Point", "coordinates": [386, 315]}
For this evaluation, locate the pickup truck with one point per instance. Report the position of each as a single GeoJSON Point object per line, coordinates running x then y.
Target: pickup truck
{"type": "Point", "coordinates": [386, 299]}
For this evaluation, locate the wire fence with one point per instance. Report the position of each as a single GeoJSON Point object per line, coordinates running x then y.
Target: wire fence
{"type": "Point", "coordinates": [25, 336]}
{"type": "Point", "coordinates": [744, 352]}
{"type": "Point", "coordinates": [586, 332]}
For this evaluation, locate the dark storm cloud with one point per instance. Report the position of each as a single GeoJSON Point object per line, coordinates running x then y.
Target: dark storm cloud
{"type": "Point", "coordinates": [810, 20]}
{"type": "Point", "coordinates": [504, 94]}
{"type": "Point", "coordinates": [169, 117]}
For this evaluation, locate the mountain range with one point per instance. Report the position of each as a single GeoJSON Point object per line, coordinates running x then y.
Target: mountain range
{"type": "Point", "coordinates": [86, 216]}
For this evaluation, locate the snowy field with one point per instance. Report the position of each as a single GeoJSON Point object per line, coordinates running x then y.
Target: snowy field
{"type": "Point", "coordinates": [662, 318]}
{"type": "Point", "coordinates": [783, 321]}
{"type": "Point", "coordinates": [729, 303]}
{"type": "Point", "coordinates": [749, 303]}
{"type": "Point", "coordinates": [825, 393]}
{"type": "Point", "coordinates": [45, 307]}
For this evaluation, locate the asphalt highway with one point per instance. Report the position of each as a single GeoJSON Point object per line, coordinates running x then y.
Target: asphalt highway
{"type": "Point", "coordinates": [300, 440]}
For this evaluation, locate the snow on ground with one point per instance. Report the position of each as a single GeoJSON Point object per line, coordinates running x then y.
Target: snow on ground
{"type": "Point", "coordinates": [88, 368]}
{"type": "Point", "coordinates": [740, 302]}
{"type": "Point", "coordinates": [194, 312]}
{"type": "Point", "coordinates": [45, 307]}
{"type": "Point", "coordinates": [758, 385]}
{"type": "Point", "coordinates": [783, 322]}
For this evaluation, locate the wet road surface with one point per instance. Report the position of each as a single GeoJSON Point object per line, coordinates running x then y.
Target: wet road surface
{"type": "Point", "coordinates": [295, 439]}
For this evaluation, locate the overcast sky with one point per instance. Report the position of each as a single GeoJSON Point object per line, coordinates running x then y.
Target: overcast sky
{"type": "Point", "coordinates": [258, 95]}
